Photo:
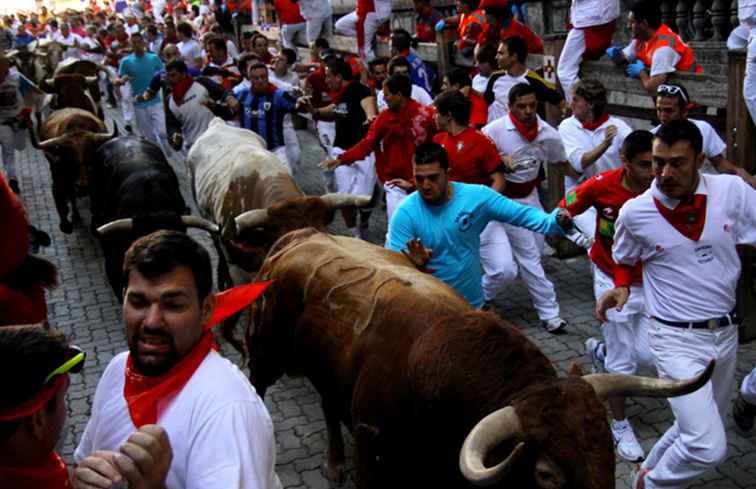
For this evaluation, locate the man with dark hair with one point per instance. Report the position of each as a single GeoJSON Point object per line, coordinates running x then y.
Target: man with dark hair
{"type": "Point", "coordinates": [282, 76]}
{"type": "Point", "coordinates": [625, 343]}
{"type": "Point", "coordinates": [672, 102]}
{"type": "Point", "coordinates": [485, 62]}
{"type": "Point", "coordinates": [511, 58]}
{"type": "Point", "coordinates": [684, 232]}
{"type": "Point", "coordinates": [354, 109]}
{"type": "Point", "coordinates": [221, 67]}
{"type": "Point", "coordinates": [192, 104]}
{"type": "Point", "coordinates": [592, 140]}
{"type": "Point", "coordinates": [393, 136]}
{"type": "Point", "coordinates": [221, 432]}
{"type": "Point", "coordinates": [655, 50]}
{"type": "Point", "coordinates": [33, 412]}
{"type": "Point", "coordinates": [438, 227]}
{"type": "Point", "coordinates": [526, 143]}
{"type": "Point", "coordinates": [458, 79]}
{"type": "Point", "coordinates": [261, 108]}
{"type": "Point", "coordinates": [501, 26]}
{"type": "Point", "coordinates": [188, 46]}
{"type": "Point", "coordinates": [400, 65]}
{"type": "Point", "coordinates": [421, 73]}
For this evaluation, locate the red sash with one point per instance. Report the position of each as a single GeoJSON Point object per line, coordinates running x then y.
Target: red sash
{"type": "Point", "coordinates": [529, 133]}
{"type": "Point", "coordinates": [592, 126]}
{"type": "Point", "coordinates": [688, 217]}
{"type": "Point", "coordinates": [144, 393]}
{"type": "Point", "coordinates": [52, 474]}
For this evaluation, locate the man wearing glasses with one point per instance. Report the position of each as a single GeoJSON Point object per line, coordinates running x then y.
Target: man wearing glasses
{"type": "Point", "coordinates": [672, 103]}
{"type": "Point", "coordinates": [32, 416]}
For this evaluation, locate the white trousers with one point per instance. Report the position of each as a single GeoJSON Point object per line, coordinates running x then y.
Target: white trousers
{"type": "Point", "coordinates": [496, 260]}
{"type": "Point", "coordinates": [347, 26]}
{"type": "Point", "coordinates": [318, 27]}
{"type": "Point", "coordinates": [10, 141]}
{"type": "Point", "coordinates": [697, 441]}
{"type": "Point", "coordinates": [394, 197]}
{"type": "Point", "coordinates": [150, 121]}
{"type": "Point", "coordinates": [626, 332]}
{"type": "Point", "coordinates": [293, 149]}
{"type": "Point", "coordinates": [749, 81]}
{"type": "Point", "coordinates": [748, 387]}
{"type": "Point", "coordinates": [587, 222]}
{"type": "Point", "coordinates": [127, 105]}
{"type": "Point", "coordinates": [282, 155]}
{"type": "Point", "coordinates": [289, 33]}
{"type": "Point", "coordinates": [568, 66]}
{"type": "Point", "coordinates": [358, 178]}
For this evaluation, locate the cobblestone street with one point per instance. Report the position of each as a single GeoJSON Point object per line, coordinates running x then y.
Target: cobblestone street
{"type": "Point", "coordinates": [84, 307]}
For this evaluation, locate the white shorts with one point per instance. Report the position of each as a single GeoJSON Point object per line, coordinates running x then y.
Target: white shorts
{"type": "Point", "coordinates": [358, 178]}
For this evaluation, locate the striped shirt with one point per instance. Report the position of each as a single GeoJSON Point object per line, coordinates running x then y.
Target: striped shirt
{"type": "Point", "coordinates": [264, 113]}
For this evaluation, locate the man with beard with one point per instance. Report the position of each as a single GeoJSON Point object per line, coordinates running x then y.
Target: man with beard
{"type": "Point", "coordinates": [220, 430]}
{"type": "Point", "coordinates": [438, 227]}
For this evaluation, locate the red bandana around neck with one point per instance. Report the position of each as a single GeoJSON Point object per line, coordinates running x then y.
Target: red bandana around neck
{"type": "Point", "coordinates": [181, 88]}
{"type": "Point", "coordinates": [51, 474]}
{"type": "Point", "coordinates": [144, 393]}
{"type": "Point", "coordinates": [529, 133]}
{"type": "Point", "coordinates": [688, 217]}
{"type": "Point", "coordinates": [592, 126]}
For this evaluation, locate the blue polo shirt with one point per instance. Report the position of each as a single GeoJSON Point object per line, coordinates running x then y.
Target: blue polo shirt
{"type": "Point", "coordinates": [452, 230]}
{"type": "Point", "coordinates": [141, 69]}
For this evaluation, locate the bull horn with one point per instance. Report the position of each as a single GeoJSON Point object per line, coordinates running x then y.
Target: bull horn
{"type": "Point", "coordinates": [616, 385]}
{"type": "Point", "coordinates": [47, 144]}
{"type": "Point", "coordinates": [91, 80]}
{"type": "Point", "coordinates": [99, 137]}
{"type": "Point", "coordinates": [499, 426]}
{"type": "Point", "coordinates": [251, 219]}
{"type": "Point", "coordinates": [340, 200]}
{"type": "Point", "coordinates": [50, 82]}
{"type": "Point", "coordinates": [115, 226]}
{"type": "Point", "coordinates": [198, 222]}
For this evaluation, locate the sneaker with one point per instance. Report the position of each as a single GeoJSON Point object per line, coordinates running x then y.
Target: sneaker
{"type": "Point", "coordinates": [624, 439]}
{"type": "Point", "coordinates": [596, 350]}
{"type": "Point", "coordinates": [13, 184]}
{"type": "Point", "coordinates": [743, 412]}
{"type": "Point", "coordinates": [638, 476]}
{"type": "Point", "coordinates": [554, 325]}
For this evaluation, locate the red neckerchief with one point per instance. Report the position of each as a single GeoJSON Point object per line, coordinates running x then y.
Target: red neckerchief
{"type": "Point", "coordinates": [338, 94]}
{"type": "Point", "coordinates": [270, 90]}
{"type": "Point", "coordinates": [143, 393]}
{"type": "Point", "coordinates": [181, 88]}
{"type": "Point", "coordinates": [52, 474]}
{"type": "Point", "coordinates": [688, 217]}
{"type": "Point", "coordinates": [529, 133]}
{"type": "Point", "coordinates": [592, 126]}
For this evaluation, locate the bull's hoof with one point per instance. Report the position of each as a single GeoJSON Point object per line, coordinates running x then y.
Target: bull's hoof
{"type": "Point", "coordinates": [66, 227]}
{"type": "Point", "coordinates": [334, 473]}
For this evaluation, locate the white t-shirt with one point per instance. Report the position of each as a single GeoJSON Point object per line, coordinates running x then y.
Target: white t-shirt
{"type": "Point", "coordinates": [288, 82]}
{"type": "Point", "coordinates": [190, 50]}
{"type": "Point", "coordinates": [419, 94]}
{"type": "Point", "coordinates": [90, 43]}
{"type": "Point", "coordinates": [193, 116]}
{"type": "Point", "coordinates": [70, 40]}
{"type": "Point", "coordinates": [480, 82]}
{"type": "Point", "coordinates": [686, 280]}
{"type": "Point", "coordinates": [713, 145]}
{"type": "Point", "coordinates": [663, 61]}
{"type": "Point", "coordinates": [501, 87]}
{"type": "Point", "coordinates": [131, 29]}
{"type": "Point", "coordinates": [577, 141]}
{"type": "Point", "coordinates": [220, 431]}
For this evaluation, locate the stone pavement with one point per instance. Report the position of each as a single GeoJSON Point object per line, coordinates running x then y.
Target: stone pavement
{"type": "Point", "coordinates": [85, 309]}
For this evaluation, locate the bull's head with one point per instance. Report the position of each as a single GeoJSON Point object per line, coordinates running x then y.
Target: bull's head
{"type": "Point", "coordinates": [74, 148]}
{"type": "Point", "coordinates": [72, 90]}
{"type": "Point", "coordinates": [251, 234]}
{"type": "Point", "coordinates": [558, 431]}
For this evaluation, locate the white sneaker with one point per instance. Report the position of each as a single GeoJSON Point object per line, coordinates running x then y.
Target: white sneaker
{"type": "Point", "coordinates": [624, 439]}
{"type": "Point", "coordinates": [596, 351]}
{"type": "Point", "coordinates": [554, 324]}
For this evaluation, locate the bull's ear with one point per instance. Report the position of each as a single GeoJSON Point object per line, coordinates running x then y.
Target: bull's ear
{"type": "Point", "coordinates": [575, 370]}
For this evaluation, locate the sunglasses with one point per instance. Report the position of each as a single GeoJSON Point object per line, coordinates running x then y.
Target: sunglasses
{"type": "Point", "coordinates": [672, 90]}
{"type": "Point", "coordinates": [74, 364]}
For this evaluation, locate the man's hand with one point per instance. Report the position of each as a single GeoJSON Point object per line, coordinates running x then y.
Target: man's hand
{"type": "Point", "coordinates": [330, 164]}
{"type": "Point", "coordinates": [177, 140]}
{"type": "Point", "coordinates": [401, 183]}
{"type": "Point", "coordinates": [615, 54]}
{"type": "Point", "coordinates": [440, 25]}
{"type": "Point", "coordinates": [616, 297]}
{"type": "Point", "coordinates": [564, 219]}
{"type": "Point", "coordinates": [611, 132]}
{"type": "Point", "coordinates": [369, 119]}
{"type": "Point", "coordinates": [145, 458]}
{"type": "Point", "coordinates": [418, 254]}
{"type": "Point", "coordinates": [97, 471]}
{"type": "Point", "coordinates": [633, 70]}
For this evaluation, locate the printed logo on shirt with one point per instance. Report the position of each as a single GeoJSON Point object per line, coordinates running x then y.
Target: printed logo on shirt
{"type": "Point", "coordinates": [606, 228]}
{"type": "Point", "coordinates": [341, 110]}
{"type": "Point", "coordinates": [267, 106]}
{"type": "Point", "coordinates": [460, 146]}
{"type": "Point", "coordinates": [463, 220]}
{"type": "Point", "coordinates": [704, 254]}
{"type": "Point", "coordinates": [571, 198]}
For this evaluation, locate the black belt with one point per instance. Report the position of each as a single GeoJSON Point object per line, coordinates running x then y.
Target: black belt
{"type": "Point", "coordinates": [731, 319]}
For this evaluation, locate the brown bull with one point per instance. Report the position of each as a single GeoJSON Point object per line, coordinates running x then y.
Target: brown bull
{"type": "Point", "coordinates": [69, 138]}
{"type": "Point", "coordinates": [410, 367]}
{"type": "Point", "coordinates": [240, 185]}
{"type": "Point", "coordinates": [73, 91]}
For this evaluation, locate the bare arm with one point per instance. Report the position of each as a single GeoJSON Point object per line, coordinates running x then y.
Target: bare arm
{"type": "Point", "coordinates": [590, 157]}
{"type": "Point", "coordinates": [723, 165]}
{"type": "Point", "coordinates": [651, 83]}
{"type": "Point", "coordinates": [498, 181]}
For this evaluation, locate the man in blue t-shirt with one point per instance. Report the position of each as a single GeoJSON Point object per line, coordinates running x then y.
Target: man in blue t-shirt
{"type": "Point", "coordinates": [138, 68]}
{"type": "Point", "coordinates": [438, 227]}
